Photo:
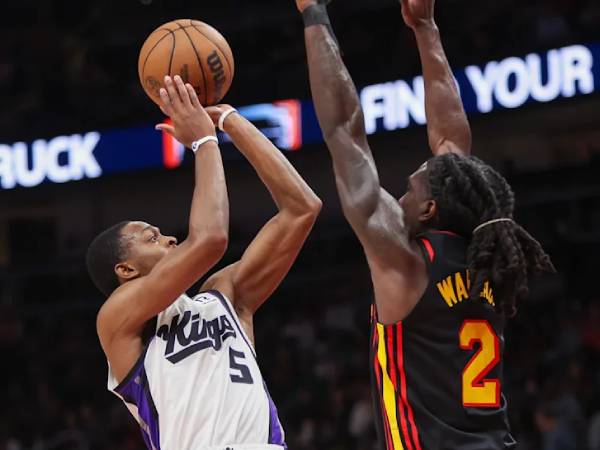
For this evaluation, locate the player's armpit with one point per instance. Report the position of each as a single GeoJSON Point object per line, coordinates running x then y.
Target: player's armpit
{"type": "Point", "coordinates": [397, 267]}
{"type": "Point", "coordinates": [221, 281]}
{"type": "Point", "coordinates": [264, 264]}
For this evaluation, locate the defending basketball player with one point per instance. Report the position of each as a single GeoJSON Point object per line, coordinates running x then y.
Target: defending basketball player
{"type": "Point", "coordinates": [448, 262]}
{"type": "Point", "coordinates": [186, 367]}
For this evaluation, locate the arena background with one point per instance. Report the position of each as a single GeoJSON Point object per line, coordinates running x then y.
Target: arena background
{"type": "Point", "coordinates": [69, 69]}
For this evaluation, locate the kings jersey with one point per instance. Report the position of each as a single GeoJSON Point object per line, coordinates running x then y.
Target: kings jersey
{"type": "Point", "coordinates": [437, 374]}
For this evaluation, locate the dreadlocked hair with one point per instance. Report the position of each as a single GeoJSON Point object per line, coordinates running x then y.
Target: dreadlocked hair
{"type": "Point", "coordinates": [469, 192]}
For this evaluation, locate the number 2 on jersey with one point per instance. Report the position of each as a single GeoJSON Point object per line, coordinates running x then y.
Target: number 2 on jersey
{"type": "Point", "coordinates": [477, 391]}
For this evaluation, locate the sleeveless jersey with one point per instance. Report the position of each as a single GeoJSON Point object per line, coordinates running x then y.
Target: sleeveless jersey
{"type": "Point", "coordinates": [437, 374]}
{"type": "Point", "coordinates": [197, 384]}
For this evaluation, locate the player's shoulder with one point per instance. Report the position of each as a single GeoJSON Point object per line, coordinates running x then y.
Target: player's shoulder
{"type": "Point", "coordinates": [211, 297]}
{"type": "Point", "coordinates": [207, 297]}
{"type": "Point", "coordinates": [433, 243]}
{"type": "Point", "coordinates": [438, 237]}
{"type": "Point", "coordinates": [113, 315]}
{"type": "Point", "coordinates": [118, 301]}
{"type": "Point", "coordinates": [222, 282]}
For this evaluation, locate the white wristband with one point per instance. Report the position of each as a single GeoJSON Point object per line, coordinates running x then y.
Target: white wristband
{"type": "Point", "coordinates": [223, 117]}
{"type": "Point", "coordinates": [196, 144]}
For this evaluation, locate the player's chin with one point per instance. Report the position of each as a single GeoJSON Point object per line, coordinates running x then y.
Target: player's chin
{"type": "Point", "coordinates": [159, 256]}
{"type": "Point", "coordinates": [165, 252]}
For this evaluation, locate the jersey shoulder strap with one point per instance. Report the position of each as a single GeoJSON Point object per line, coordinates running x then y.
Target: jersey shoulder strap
{"type": "Point", "coordinates": [435, 243]}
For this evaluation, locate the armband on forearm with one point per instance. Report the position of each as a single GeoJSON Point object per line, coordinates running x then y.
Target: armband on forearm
{"type": "Point", "coordinates": [317, 15]}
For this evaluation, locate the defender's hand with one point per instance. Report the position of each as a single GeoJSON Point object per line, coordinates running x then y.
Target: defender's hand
{"type": "Point", "coordinates": [190, 121]}
{"type": "Point", "coordinates": [303, 4]}
{"type": "Point", "coordinates": [417, 13]}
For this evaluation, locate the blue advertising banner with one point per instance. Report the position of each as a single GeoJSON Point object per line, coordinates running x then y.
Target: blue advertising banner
{"type": "Point", "coordinates": [506, 84]}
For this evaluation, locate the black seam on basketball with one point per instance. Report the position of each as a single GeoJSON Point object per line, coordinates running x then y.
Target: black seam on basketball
{"type": "Point", "coordinates": [199, 63]}
{"type": "Point", "coordinates": [218, 48]}
{"type": "Point", "coordinates": [172, 31]}
{"type": "Point", "coordinates": [150, 52]}
{"type": "Point", "coordinates": [172, 53]}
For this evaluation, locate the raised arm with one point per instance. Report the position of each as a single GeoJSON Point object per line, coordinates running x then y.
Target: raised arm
{"type": "Point", "coordinates": [123, 316]}
{"type": "Point", "coordinates": [341, 120]}
{"type": "Point", "coordinates": [375, 216]}
{"type": "Point", "coordinates": [447, 124]}
{"type": "Point", "coordinates": [268, 258]}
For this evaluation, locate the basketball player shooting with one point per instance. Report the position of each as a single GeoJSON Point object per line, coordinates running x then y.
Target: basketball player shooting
{"type": "Point", "coordinates": [448, 261]}
{"type": "Point", "coordinates": [186, 368]}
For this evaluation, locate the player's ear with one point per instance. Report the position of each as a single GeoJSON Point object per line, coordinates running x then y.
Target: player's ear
{"type": "Point", "coordinates": [428, 210]}
{"type": "Point", "coordinates": [125, 271]}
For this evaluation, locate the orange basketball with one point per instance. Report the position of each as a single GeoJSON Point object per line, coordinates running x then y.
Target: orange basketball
{"type": "Point", "coordinates": [191, 49]}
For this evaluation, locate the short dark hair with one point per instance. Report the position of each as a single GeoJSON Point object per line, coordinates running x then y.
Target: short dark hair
{"type": "Point", "coordinates": [105, 251]}
{"type": "Point", "coordinates": [469, 192]}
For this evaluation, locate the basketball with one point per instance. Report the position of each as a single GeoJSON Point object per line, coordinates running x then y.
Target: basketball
{"type": "Point", "coordinates": [191, 49]}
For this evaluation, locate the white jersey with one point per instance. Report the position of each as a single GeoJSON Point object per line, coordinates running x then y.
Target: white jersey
{"type": "Point", "coordinates": [197, 385]}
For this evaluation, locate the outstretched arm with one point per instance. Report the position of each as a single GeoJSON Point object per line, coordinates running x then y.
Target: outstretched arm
{"type": "Point", "coordinates": [375, 216]}
{"type": "Point", "coordinates": [447, 124]}
{"type": "Point", "coordinates": [341, 120]}
{"type": "Point", "coordinates": [266, 261]}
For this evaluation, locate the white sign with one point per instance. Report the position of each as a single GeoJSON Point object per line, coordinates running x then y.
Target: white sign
{"type": "Point", "coordinates": [508, 83]}
{"type": "Point", "coordinates": [62, 159]}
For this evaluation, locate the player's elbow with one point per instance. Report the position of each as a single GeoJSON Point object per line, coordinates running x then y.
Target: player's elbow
{"type": "Point", "coordinates": [218, 243]}
{"type": "Point", "coordinates": [312, 205]}
{"type": "Point", "coordinates": [309, 212]}
{"type": "Point", "coordinates": [349, 126]}
{"type": "Point", "coordinates": [461, 147]}
{"type": "Point", "coordinates": [304, 205]}
{"type": "Point", "coordinates": [303, 216]}
{"type": "Point", "coordinates": [359, 200]}
{"type": "Point", "coordinates": [213, 244]}
{"type": "Point", "coordinates": [357, 213]}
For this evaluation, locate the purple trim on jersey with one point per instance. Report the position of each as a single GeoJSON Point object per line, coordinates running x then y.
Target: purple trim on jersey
{"type": "Point", "coordinates": [233, 316]}
{"type": "Point", "coordinates": [135, 390]}
{"type": "Point", "coordinates": [275, 430]}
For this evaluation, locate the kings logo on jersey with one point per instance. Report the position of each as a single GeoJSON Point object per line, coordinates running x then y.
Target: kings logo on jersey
{"type": "Point", "coordinates": [189, 334]}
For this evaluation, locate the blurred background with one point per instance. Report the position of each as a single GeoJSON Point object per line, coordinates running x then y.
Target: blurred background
{"type": "Point", "coordinates": [78, 153]}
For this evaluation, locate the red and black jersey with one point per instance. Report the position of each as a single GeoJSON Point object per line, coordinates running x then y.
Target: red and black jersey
{"type": "Point", "coordinates": [437, 375]}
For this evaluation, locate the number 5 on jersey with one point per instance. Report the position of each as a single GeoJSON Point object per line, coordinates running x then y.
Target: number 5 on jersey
{"type": "Point", "coordinates": [478, 391]}
{"type": "Point", "coordinates": [243, 376]}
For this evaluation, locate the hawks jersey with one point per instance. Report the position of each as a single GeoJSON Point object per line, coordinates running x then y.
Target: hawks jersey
{"type": "Point", "coordinates": [197, 384]}
{"type": "Point", "coordinates": [437, 374]}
